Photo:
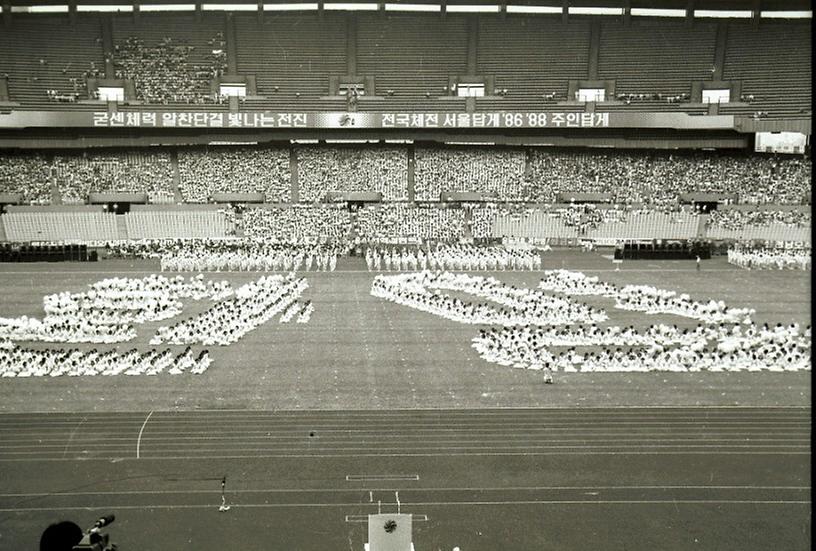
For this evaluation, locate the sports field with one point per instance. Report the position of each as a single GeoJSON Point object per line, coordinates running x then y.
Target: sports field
{"type": "Point", "coordinates": [360, 352]}
{"type": "Point", "coordinates": [314, 424]}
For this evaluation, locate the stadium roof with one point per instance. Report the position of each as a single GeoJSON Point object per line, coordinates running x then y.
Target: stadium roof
{"type": "Point", "coordinates": [752, 5]}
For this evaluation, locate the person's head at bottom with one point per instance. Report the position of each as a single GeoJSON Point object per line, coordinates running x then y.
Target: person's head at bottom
{"type": "Point", "coordinates": [60, 536]}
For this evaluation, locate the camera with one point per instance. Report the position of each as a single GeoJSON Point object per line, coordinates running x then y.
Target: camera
{"type": "Point", "coordinates": [94, 539]}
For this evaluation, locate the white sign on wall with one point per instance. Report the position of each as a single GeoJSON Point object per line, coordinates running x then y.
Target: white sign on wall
{"type": "Point", "coordinates": [780, 142]}
{"type": "Point", "coordinates": [111, 93]}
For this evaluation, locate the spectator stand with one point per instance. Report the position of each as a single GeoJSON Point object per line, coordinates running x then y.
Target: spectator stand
{"type": "Point", "coordinates": [334, 169]}
{"type": "Point", "coordinates": [171, 60]}
{"type": "Point", "coordinates": [205, 172]}
{"type": "Point", "coordinates": [404, 223]}
{"type": "Point", "coordinates": [51, 70]}
{"type": "Point", "coordinates": [297, 224]}
{"type": "Point", "coordinates": [78, 174]}
{"type": "Point", "coordinates": [657, 179]}
{"type": "Point", "coordinates": [59, 223]}
{"type": "Point", "coordinates": [491, 171]}
{"type": "Point", "coordinates": [772, 223]}
{"type": "Point", "coordinates": [27, 176]}
{"type": "Point", "coordinates": [178, 222]}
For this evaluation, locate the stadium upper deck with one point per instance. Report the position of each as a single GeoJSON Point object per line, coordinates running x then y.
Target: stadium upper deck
{"type": "Point", "coordinates": [403, 62]}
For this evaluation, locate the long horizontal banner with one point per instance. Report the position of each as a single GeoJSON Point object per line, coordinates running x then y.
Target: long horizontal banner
{"type": "Point", "coordinates": [407, 121]}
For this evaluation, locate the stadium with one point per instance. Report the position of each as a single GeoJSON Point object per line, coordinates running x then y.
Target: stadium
{"type": "Point", "coordinates": [435, 275]}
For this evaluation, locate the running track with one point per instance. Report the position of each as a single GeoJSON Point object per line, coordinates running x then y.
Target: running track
{"type": "Point", "coordinates": [625, 478]}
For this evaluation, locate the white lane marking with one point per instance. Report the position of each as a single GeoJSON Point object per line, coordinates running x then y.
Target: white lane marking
{"type": "Point", "coordinates": [71, 438]}
{"type": "Point", "coordinates": [111, 442]}
{"type": "Point", "coordinates": [283, 430]}
{"type": "Point", "coordinates": [363, 477]}
{"type": "Point", "coordinates": [477, 411]}
{"type": "Point", "coordinates": [454, 449]}
{"type": "Point", "coordinates": [433, 489]}
{"type": "Point", "coordinates": [313, 273]}
{"type": "Point", "coordinates": [540, 422]}
{"type": "Point", "coordinates": [434, 504]}
{"type": "Point", "coordinates": [141, 430]}
{"type": "Point", "coordinates": [364, 518]}
{"type": "Point", "coordinates": [463, 454]}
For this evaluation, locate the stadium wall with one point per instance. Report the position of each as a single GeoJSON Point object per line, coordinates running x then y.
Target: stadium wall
{"type": "Point", "coordinates": [621, 139]}
{"type": "Point", "coordinates": [92, 224]}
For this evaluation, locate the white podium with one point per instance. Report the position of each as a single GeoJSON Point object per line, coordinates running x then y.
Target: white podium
{"type": "Point", "coordinates": [389, 532]}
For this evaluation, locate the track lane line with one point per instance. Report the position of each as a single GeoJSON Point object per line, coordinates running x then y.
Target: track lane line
{"type": "Point", "coordinates": [475, 410]}
{"type": "Point", "coordinates": [110, 459]}
{"type": "Point", "coordinates": [141, 430]}
{"type": "Point", "coordinates": [411, 489]}
{"type": "Point", "coordinates": [68, 443]}
{"type": "Point", "coordinates": [672, 502]}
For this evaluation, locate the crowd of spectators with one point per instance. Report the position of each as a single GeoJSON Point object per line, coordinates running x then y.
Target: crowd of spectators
{"type": "Point", "coordinates": [583, 217]}
{"type": "Point", "coordinates": [76, 175]}
{"type": "Point", "coordinates": [493, 172]}
{"type": "Point", "coordinates": [28, 175]}
{"type": "Point", "coordinates": [397, 222]}
{"type": "Point", "coordinates": [587, 217]}
{"type": "Point", "coordinates": [79, 86]}
{"type": "Point", "coordinates": [552, 97]}
{"type": "Point", "coordinates": [135, 171]}
{"type": "Point", "coordinates": [55, 95]}
{"type": "Point", "coordinates": [652, 180]}
{"type": "Point", "coordinates": [483, 219]}
{"type": "Point", "coordinates": [297, 224]}
{"type": "Point", "coordinates": [658, 179]}
{"type": "Point", "coordinates": [668, 98]}
{"type": "Point", "coordinates": [166, 73]}
{"type": "Point", "coordinates": [351, 169]}
{"type": "Point", "coordinates": [203, 172]}
{"type": "Point", "coordinates": [735, 219]}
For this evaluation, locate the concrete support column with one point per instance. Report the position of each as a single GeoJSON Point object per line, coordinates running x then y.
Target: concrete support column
{"type": "Point", "coordinates": [594, 50]}
{"type": "Point", "coordinates": [177, 195]}
{"type": "Point", "coordinates": [351, 44]}
{"type": "Point", "coordinates": [107, 46]}
{"type": "Point", "coordinates": [689, 13]}
{"type": "Point", "coordinates": [411, 172]}
{"type": "Point", "coordinates": [293, 174]}
{"type": "Point", "coordinates": [528, 163]}
{"type": "Point", "coordinates": [232, 48]}
{"type": "Point", "coordinates": [719, 51]}
{"type": "Point", "coordinates": [472, 45]}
